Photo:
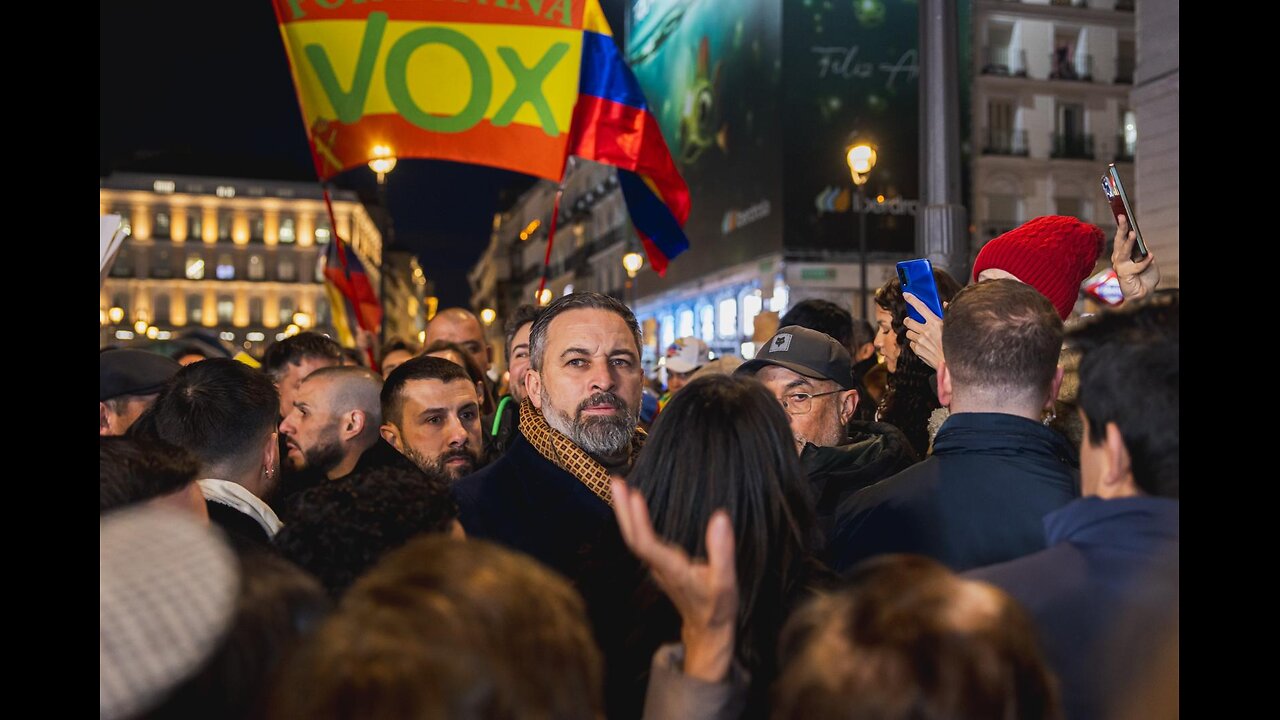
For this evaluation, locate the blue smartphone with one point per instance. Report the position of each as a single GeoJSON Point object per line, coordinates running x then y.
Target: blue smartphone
{"type": "Point", "coordinates": [916, 277]}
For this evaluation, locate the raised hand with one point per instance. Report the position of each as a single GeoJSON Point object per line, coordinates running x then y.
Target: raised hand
{"type": "Point", "coordinates": [926, 337]}
{"type": "Point", "coordinates": [1137, 279]}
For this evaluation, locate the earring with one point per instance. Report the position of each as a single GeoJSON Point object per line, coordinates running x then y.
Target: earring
{"type": "Point", "coordinates": [1049, 416]}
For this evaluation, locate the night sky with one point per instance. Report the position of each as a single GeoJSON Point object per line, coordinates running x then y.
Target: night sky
{"type": "Point", "coordinates": [204, 89]}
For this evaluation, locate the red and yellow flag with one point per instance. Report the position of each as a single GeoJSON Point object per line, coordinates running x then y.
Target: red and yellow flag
{"type": "Point", "coordinates": [492, 82]}
{"type": "Point", "coordinates": [515, 84]}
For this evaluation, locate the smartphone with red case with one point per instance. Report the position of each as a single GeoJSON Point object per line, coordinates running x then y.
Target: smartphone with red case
{"type": "Point", "coordinates": [1119, 201]}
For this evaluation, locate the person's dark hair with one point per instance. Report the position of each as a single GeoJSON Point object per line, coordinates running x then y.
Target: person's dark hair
{"type": "Point", "coordinates": [863, 332]}
{"type": "Point", "coordinates": [417, 368]}
{"type": "Point", "coordinates": [577, 301]}
{"type": "Point", "coordinates": [724, 442]}
{"type": "Point", "coordinates": [523, 314]}
{"type": "Point", "coordinates": [219, 409]}
{"type": "Point", "coordinates": [909, 640]}
{"type": "Point", "coordinates": [1002, 335]}
{"type": "Point", "coordinates": [397, 343]}
{"type": "Point", "coordinates": [278, 606]}
{"type": "Point", "coordinates": [909, 397]}
{"type": "Point", "coordinates": [443, 628]}
{"type": "Point", "coordinates": [1129, 376]}
{"type": "Point", "coordinates": [134, 468]}
{"type": "Point", "coordinates": [338, 530]}
{"type": "Point", "coordinates": [825, 317]}
{"type": "Point", "coordinates": [293, 350]}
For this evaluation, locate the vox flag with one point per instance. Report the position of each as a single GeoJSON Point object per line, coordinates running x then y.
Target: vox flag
{"type": "Point", "coordinates": [515, 84]}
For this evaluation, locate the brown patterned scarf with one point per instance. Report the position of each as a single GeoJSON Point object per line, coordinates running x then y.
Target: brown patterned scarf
{"type": "Point", "coordinates": [554, 446]}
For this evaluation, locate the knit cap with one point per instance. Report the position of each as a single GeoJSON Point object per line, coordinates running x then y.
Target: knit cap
{"type": "Point", "coordinates": [1052, 254]}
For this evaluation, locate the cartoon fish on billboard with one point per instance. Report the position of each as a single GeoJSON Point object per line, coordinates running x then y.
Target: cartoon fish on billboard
{"type": "Point", "coordinates": [700, 111]}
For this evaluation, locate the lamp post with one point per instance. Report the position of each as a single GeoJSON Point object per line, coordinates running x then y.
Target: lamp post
{"type": "Point", "coordinates": [632, 262]}
{"type": "Point", "coordinates": [383, 162]}
{"type": "Point", "coordinates": [861, 156]}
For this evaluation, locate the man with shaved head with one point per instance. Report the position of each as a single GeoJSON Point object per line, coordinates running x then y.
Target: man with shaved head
{"type": "Point", "coordinates": [334, 420]}
{"type": "Point", "coordinates": [461, 326]}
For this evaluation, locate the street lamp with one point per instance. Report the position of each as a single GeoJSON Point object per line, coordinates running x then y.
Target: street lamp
{"type": "Point", "coordinates": [116, 314]}
{"type": "Point", "coordinates": [383, 162]}
{"type": "Point", "coordinates": [861, 156]}
{"type": "Point", "coordinates": [632, 262]}
{"type": "Point", "coordinates": [544, 297]}
{"type": "Point", "coordinates": [487, 316]}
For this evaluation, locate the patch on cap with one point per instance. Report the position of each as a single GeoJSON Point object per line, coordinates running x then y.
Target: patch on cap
{"type": "Point", "coordinates": [781, 343]}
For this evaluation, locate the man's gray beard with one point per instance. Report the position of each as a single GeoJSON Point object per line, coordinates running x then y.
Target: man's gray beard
{"type": "Point", "coordinates": [606, 438]}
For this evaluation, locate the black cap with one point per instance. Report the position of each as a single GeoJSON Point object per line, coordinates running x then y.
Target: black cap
{"type": "Point", "coordinates": [808, 352]}
{"type": "Point", "coordinates": [132, 372]}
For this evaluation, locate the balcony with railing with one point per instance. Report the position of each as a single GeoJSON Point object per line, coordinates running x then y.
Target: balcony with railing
{"type": "Point", "coordinates": [1005, 141]}
{"type": "Point", "coordinates": [1124, 151]}
{"type": "Point", "coordinates": [1004, 61]}
{"type": "Point", "coordinates": [1079, 146]}
{"type": "Point", "coordinates": [1064, 67]}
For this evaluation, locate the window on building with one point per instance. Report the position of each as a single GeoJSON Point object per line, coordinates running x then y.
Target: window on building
{"type": "Point", "coordinates": [123, 265]}
{"type": "Point", "coordinates": [195, 309]}
{"type": "Point", "coordinates": [226, 309]}
{"type": "Point", "coordinates": [668, 331]}
{"type": "Point", "coordinates": [751, 304]}
{"type": "Point", "coordinates": [322, 313]}
{"type": "Point", "coordinates": [286, 310]}
{"type": "Point", "coordinates": [684, 323]}
{"type": "Point", "coordinates": [162, 262]}
{"type": "Point", "coordinates": [224, 226]}
{"type": "Point", "coordinates": [226, 269]}
{"type": "Point", "coordinates": [322, 234]}
{"type": "Point", "coordinates": [195, 224]}
{"type": "Point", "coordinates": [1069, 206]}
{"type": "Point", "coordinates": [1125, 55]}
{"type": "Point", "coordinates": [1129, 132]}
{"type": "Point", "coordinates": [160, 309]}
{"type": "Point", "coordinates": [255, 311]}
{"type": "Point", "coordinates": [160, 230]}
{"type": "Point", "coordinates": [195, 267]}
{"type": "Point", "coordinates": [257, 227]}
{"type": "Point", "coordinates": [286, 230]}
{"type": "Point", "coordinates": [319, 268]}
{"type": "Point", "coordinates": [257, 268]}
{"type": "Point", "coordinates": [728, 317]}
{"type": "Point", "coordinates": [285, 270]}
{"type": "Point", "coordinates": [1002, 213]}
{"type": "Point", "coordinates": [707, 329]}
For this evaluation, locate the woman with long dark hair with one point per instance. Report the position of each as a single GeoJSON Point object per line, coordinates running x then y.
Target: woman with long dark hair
{"type": "Point", "coordinates": [910, 396]}
{"type": "Point", "coordinates": [723, 443]}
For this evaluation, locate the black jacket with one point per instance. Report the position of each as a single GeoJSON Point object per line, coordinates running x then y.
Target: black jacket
{"type": "Point", "coordinates": [1104, 596]}
{"type": "Point", "coordinates": [835, 473]}
{"type": "Point", "coordinates": [528, 503]}
{"type": "Point", "coordinates": [977, 500]}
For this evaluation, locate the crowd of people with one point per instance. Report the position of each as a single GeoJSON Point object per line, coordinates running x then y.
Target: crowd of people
{"type": "Point", "coordinates": [973, 516]}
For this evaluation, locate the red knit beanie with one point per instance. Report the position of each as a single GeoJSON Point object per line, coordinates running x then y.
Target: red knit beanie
{"type": "Point", "coordinates": [1052, 254]}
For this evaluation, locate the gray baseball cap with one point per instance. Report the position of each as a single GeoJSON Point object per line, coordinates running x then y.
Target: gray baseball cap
{"type": "Point", "coordinates": [808, 352]}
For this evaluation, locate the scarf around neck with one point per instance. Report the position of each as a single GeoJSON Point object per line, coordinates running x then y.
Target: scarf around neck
{"type": "Point", "coordinates": [560, 450]}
